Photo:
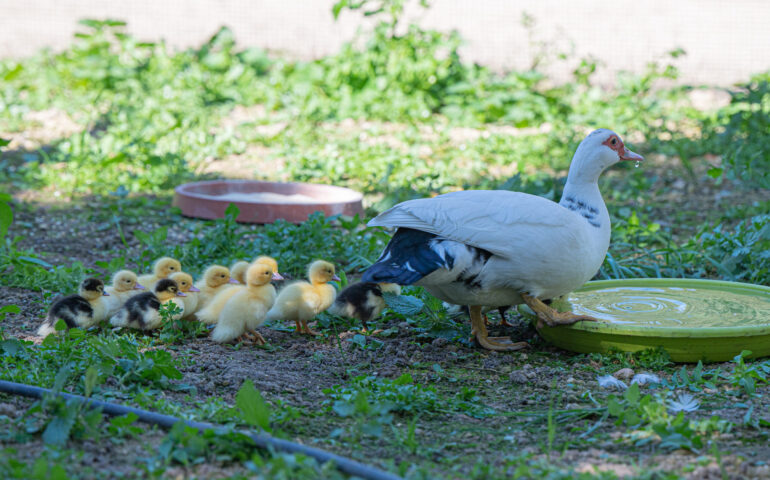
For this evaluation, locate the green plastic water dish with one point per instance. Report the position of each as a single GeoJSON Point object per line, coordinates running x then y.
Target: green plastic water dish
{"type": "Point", "coordinates": [692, 320]}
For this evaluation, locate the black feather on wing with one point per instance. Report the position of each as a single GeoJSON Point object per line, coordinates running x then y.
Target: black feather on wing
{"type": "Point", "coordinates": [406, 259]}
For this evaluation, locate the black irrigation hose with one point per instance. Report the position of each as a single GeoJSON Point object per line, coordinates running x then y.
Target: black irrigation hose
{"type": "Point", "coordinates": [264, 441]}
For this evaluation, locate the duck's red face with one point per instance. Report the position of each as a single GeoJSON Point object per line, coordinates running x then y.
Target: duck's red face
{"type": "Point", "coordinates": [616, 144]}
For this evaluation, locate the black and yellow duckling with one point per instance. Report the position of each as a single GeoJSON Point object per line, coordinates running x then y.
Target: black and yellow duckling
{"type": "Point", "coordinates": [83, 310]}
{"type": "Point", "coordinates": [143, 311]}
{"type": "Point", "coordinates": [363, 300]}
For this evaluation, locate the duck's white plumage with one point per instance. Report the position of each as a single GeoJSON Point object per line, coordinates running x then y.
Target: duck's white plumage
{"type": "Point", "coordinates": [487, 247]}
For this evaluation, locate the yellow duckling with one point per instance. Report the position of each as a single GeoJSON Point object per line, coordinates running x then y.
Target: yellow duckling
{"type": "Point", "coordinates": [162, 268]}
{"type": "Point", "coordinates": [247, 309]}
{"type": "Point", "coordinates": [83, 310]}
{"type": "Point", "coordinates": [363, 301]}
{"type": "Point", "coordinates": [143, 311]}
{"type": "Point", "coordinates": [188, 303]}
{"type": "Point", "coordinates": [213, 309]}
{"type": "Point", "coordinates": [215, 279]}
{"type": "Point", "coordinates": [273, 264]}
{"type": "Point", "coordinates": [301, 301]}
{"type": "Point", "coordinates": [124, 286]}
{"type": "Point", "coordinates": [238, 271]}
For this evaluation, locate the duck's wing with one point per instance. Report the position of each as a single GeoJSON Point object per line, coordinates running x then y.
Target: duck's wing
{"type": "Point", "coordinates": [496, 221]}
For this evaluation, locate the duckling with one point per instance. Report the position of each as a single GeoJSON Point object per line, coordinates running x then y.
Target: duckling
{"type": "Point", "coordinates": [162, 268]}
{"type": "Point", "coordinates": [143, 311]}
{"type": "Point", "coordinates": [273, 264]}
{"type": "Point", "coordinates": [215, 279]}
{"type": "Point", "coordinates": [188, 303]}
{"type": "Point", "coordinates": [213, 309]}
{"type": "Point", "coordinates": [124, 286]}
{"type": "Point", "coordinates": [238, 271]}
{"type": "Point", "coordinates": [83, 310]}
{"type": "Point", "coordinates": [363, 301]}
{"type": "Point", "coordinates": [247, 308]}
{"type": "Point", "coordinates": [301, 301]}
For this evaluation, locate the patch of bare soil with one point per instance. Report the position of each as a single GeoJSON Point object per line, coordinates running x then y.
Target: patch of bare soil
{"type": "Point", "coordinates": [42, 128]}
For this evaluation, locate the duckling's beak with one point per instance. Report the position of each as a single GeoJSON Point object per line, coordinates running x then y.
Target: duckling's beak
{"type": "Point", "coordinates": [631, 156]}
{"type": "Point", "coordinates": [277, 276]}
{"type": "Point", "coordinates": [138, 287]}
{"type": "Point", "coordinates": [181, 294]}
{"type": "Point", "coordinates": [104, 293]}
{"type": "Point", "coordinates": [232, 280]}
{"type": "Point", "coordinates": [336, 278]}
{"type": "Point", "coordinates": [194, 289]}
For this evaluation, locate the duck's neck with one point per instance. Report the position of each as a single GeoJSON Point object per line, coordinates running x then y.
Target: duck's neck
{"type": "Point", "coordinates": [586, 200]}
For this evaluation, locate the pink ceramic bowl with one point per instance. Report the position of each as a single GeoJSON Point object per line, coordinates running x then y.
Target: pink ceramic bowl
{"type": "Point", "coordinates": [265, 202]}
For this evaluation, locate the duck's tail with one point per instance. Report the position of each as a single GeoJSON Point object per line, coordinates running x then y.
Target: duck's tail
{"type": "Point", "coordinates": [407, 258]}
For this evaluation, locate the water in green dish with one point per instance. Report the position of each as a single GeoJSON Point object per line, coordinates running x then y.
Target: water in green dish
{"type": "Point", "coordinates": [673, 307]}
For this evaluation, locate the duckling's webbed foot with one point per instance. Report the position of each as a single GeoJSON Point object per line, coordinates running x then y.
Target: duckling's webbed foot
{"type": "Point", "coordinates": [257, 337]}
{"type": "Point", "coordinates": [549, 316]}
{"type": "Point", "coordinates": [479, 331]}
{"type": "Point", "coordinates": [308, 330]}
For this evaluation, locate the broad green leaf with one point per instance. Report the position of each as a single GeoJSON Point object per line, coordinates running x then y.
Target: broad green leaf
{"type": "Point", "coordinates": [92, 374]}
{"type": "Point", "coordinates": [6, 218]}
{"type": "Point", "coordinates": [403, 304]}
{"type": "Point", "coordinates": [35, 261]}
{"type": "Point", "coordinates": [11, 347]}
{"type": "Point", "coordinates": [254, 409]}
{"type": "Point", "coordinates": [58, 430]}
{"type": "Point", "coordinates": [632, 394]}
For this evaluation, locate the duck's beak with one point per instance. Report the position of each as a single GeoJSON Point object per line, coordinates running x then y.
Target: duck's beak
{"type": "Point", "coordinates": [181, 294]}
{"type": "Point", "coordinates": [336, 278]}
{"type": "Point", "coordinates": [138, 287]}
{"type": "Point", "coordinates": [631, 156]}
{"type": "Point", "coordinates": [194, 289]}
{"type": "Point", "coordinates": [277, 276]}
{"type": "Point", "coordinates": [232, 280]}
{"type": "Point", "coordinates": [104, 293]}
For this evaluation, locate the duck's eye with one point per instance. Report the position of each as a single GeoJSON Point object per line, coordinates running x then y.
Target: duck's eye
{"type": "Point", "coordinates": [614, 141]}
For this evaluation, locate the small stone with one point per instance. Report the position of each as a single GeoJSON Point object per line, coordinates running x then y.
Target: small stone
{"type": "Point", "coordinates": [624, 374]}
{"type": "Point", "coordinates": [518, 377]}
{"type": "Point", "coordinates": [7, 409]}
{"type": "Point", "coordinates": [439, 342]}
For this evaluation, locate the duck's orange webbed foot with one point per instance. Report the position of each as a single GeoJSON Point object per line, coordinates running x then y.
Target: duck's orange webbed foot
{"type": "Point", "coordinates": [479, 331]}
{"type": "Point", "coordinates": [549, 316]}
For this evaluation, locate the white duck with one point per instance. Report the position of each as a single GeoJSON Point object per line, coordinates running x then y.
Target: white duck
{"type": "Point", "coordinates": [495, 248]}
